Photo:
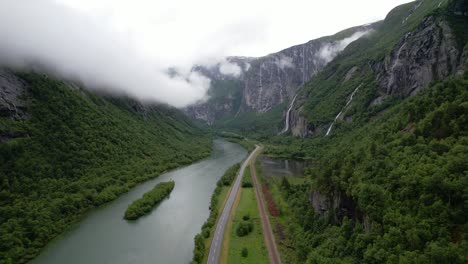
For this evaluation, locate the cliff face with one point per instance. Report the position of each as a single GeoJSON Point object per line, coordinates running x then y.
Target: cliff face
{"type": "Point", "coordinates": [426, 54]}
{"type": "Point", "coordinates": [268, 81]}
{"type": "Point", "coordinates": [11, 88]}
{"type": "Point", "coordinates": [12, 106]}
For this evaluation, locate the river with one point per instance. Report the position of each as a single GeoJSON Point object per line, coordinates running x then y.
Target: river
{"type": "Point", "coordinates": [164, 236]}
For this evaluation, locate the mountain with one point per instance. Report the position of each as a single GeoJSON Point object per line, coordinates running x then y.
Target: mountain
{"type": "Point", "coordinates": [266, 83]}
{"type": "Point", "coordinates": [65, 150]}
{"type": "Point", "coordinates": [416, 44]}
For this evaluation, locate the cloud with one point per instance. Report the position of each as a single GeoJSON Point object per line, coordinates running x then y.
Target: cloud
{"type": "Point", "coordinates": [80, 47]}
{"type": "Point", "coordinates": [329, 51]}
{"type": "Point", "coordinates": [229, 68]}
{"type": "Point", "coordinates": [284, 62]}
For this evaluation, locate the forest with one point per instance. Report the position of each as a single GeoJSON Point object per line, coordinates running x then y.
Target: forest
{"type": "Point", "coordinates": [406, 177]}
{"type": "Point", "coordinates": [80, 151]}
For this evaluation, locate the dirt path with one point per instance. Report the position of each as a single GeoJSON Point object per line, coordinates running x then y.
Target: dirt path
{"type": "Point", "coordinates": [270, 243]}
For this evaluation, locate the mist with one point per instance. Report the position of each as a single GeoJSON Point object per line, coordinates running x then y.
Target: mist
{"type": "Point", "coordinates": [329, 51]}
{"type": "Point", "coordinates": [77, 47]}
{"type": "Point", "coordinates": [146, 49]}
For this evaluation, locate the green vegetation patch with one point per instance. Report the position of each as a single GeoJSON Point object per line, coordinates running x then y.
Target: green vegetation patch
{"type": "Point", "coordinates": [406, 173]}
{"type": "Point", "coordinates": [149, 200]}
{"type": "Point", "coordinates": [247, 232]}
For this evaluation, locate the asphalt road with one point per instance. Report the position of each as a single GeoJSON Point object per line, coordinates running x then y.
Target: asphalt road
{"type": "Point", "coordinates": [217, 242]}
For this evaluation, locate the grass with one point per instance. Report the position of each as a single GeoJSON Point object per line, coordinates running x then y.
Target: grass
{"type": "Point", "coordinates": [254, 241]}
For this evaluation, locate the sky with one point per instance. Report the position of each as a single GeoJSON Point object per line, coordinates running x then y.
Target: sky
{"type": "Point", "coordinates": [126, 46]}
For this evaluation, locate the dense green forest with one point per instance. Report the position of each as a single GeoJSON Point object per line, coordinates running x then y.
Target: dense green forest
{"type": "Point", "coordinates": [149, 200]}
{"type": "Point", "coordinates": [80, 151]}
{"type": "Point", "coordinates": [407, 175]}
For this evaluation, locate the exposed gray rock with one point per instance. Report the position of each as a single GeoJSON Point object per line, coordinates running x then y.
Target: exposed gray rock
{"type": "Point", "coordinates": [428, 54]}
{"type": "Point", "coordinates": [351, 73]}
{"type": "Point", "coordinates": [336, 205]}
{"type": "Point", "coordinates": [11, 89]}
{"type": "Point", "coordinates": [273, 79]}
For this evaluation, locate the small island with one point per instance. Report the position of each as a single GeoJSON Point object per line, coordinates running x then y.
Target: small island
{"type": "Point", "coordinates": [149, 200]}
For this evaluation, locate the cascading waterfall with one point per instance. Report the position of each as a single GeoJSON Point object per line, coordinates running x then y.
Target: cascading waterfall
{"type": "Point", "coordinates": [286, 122]}
{"type": "Point", "coordinates": [342, 110]}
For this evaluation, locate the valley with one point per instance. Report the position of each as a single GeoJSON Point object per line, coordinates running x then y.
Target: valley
{"type": "Point", "coordinates": [363, 137]}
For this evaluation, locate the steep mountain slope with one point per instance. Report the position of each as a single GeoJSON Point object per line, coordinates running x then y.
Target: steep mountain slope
{"type": "Point", "coordinates": [65, 150]}
{"type": "Point", "coordinates": [267, 82]}
{"type": "Point", "coordinates": [417, 43]}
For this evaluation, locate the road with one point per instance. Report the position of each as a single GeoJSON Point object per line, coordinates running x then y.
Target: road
{"type": "Point", "coordinates": [273, 254]}
{"type": "Point", "coordinates": [216, 243]}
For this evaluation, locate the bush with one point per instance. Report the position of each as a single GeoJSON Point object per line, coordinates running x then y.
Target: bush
{"type": "Point", "coordinates": [245, 252]}
{"type": "Point", "coordinates": [244, 228]}
{"type": "Point", "coordinates": [246, 217]}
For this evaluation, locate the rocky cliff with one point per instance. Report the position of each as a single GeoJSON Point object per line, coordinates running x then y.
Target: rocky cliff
{"type": "Point", "coordinates": [430, 52]}
{"type": "Point", "coordinates": [269, 81]}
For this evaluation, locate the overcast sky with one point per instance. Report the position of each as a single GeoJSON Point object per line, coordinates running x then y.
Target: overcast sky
{"type": "Point", "coordinates": [127, 45]}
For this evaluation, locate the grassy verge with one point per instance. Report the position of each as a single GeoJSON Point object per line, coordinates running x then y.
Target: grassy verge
{"type": "Point", "coordinates": [252, 241]}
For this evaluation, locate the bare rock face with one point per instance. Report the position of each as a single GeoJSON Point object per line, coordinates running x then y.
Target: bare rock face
{"type": "Point", "coordinates": [273, 79]}
{"type": "Point", "coordinates": [11, 89]}
{"type": "Point", "coordinates": [428, 54]}
{"type": "Point", "coordinates": [12, 106]}
{"type": "Point", "coordinates": [336, 204]}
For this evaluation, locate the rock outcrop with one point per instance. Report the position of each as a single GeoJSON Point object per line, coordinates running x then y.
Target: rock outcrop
{"type": "Point", "coordinates": [11, 89]}
{"type": "Point", "coordinates": [12, 106]}
{"type": "Point", "coordinates": [428, 54]}
{"type": "Point", "coordinates": [336, 205]}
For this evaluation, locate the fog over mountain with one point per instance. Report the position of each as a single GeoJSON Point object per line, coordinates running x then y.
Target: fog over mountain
{"type": "Point", "coordinates": [127, 47]}
{"type": "Point", "coordinates": [76, 46]}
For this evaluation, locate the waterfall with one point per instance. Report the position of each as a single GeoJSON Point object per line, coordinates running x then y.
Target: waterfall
{"type": "Point", "coordinates": [286, 122]}
{"type": "Point", "coordinates": [344, 108]}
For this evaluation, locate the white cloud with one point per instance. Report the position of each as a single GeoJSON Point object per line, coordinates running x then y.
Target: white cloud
{"type": "Point", "coordinates": [128, 45]}
{"type": "Point", "coordinates": [76, 46]}
{"type": "Point", "coordinates": [284, 62]}
{"type": "Point", "coordinates": [229, 68]}
{"type": "Point", "coordinates": [329, 51]}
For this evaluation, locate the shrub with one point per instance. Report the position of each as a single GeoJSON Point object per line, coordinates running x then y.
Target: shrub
{"type": "Point", "coordinates": [245, 252]}
{"type": "Point", "coordinates": [244, 228]}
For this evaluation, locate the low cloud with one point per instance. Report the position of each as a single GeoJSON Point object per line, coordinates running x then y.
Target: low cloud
{"type": "Point", "coordinates": [284, 62]}
{"type": "Point", "coordinates": [79, 47]}
{"type": "Point", "coordinates": [229, 68]}
{"type": "Point", "coordinates": [329, 51]}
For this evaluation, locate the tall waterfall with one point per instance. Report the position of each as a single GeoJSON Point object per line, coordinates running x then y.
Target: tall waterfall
{"type": "Point", "coordinates": [344, 108]}
{"type": "Point", "coordinates": [286, 121]}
